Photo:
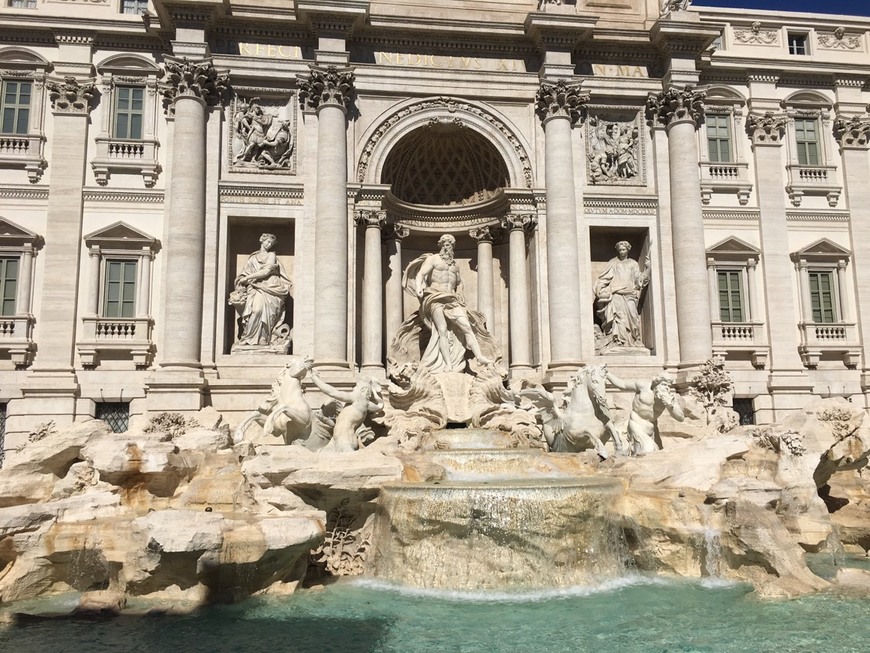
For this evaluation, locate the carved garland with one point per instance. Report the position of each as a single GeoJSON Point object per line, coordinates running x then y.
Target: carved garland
{"type": "Point", "coordinates": [755, 35]}
{"type": "Point", "coordinates": [451, 105]}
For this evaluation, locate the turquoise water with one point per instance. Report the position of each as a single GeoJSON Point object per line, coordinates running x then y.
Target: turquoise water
{"type": "Point", "coordinates": [633, 615]}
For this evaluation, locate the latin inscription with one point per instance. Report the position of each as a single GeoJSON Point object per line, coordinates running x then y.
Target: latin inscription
{"type": "Point", "coordinates": [612, 70]}
{"type": "Point", "coordinates": [447, 62]}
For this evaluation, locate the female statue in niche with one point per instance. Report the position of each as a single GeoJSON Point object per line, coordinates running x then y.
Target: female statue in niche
{"type": "Point", "coordinates": [617, 292]}
{"type": "Point", "coordinates": [261, 291]}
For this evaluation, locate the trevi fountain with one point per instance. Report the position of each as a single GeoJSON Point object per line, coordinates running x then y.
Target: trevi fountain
{"type": "Point", "coordinates": [444, 508]}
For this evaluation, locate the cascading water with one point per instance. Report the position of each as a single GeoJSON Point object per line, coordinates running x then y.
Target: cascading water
{"type": "Point", "coordinates": [499, 519]}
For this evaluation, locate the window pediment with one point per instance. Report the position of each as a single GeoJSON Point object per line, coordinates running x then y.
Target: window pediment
{"type": "Point", "coordinates": [23, 59]}
{"type": "Point", "coordinates": [14, 235]}
{"type": "Point", "coordinates": [733, 249]}
{"type": "Point", "coordinates": [128, 64]}
{"type": "Point", "coordinates": [823, 250]}
{"type": "Point", "coordinates": [119, 236]}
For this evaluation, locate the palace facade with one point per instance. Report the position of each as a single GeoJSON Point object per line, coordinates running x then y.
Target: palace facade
{"type": "Point", "coordinates": [146, 145]}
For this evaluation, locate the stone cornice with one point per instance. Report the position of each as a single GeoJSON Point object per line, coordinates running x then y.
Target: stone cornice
{"type": "Point", "coordinates": [23, 193]}
{"type": "Point", "coordinates": [673, 36]}
{"type": "Point", "coordinates": [122, 196]}
{"type": "Point", "coordinates": [732, 214]}
{"type": "Point", "coordinates": [564, 31]}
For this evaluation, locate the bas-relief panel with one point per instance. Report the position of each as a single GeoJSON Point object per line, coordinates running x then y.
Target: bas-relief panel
{"type": "Point", "coordinates": [614, 150]}
{"type": "Point", "coordinates": [262, 133]}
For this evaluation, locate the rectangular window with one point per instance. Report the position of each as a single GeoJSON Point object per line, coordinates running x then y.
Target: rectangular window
{"type": "Point", "coordinates": [719, 138]}
{"type": "Point", "coordinates": [745, 409]}
{"type": "Point", "coordinates": [16, 107]}
{"type": "Point", "coordinates": [730, 295]}
{"type": "Point", "coordinates": [822, 296]}
{"type": "Point", "coordinates": [128, 112]}
{"type": "Point", "coordinates": [120, 289]}
{"type": "Point", "coordinates": [23, 4]}
{"type": "Point", "coordinates": [134, 7]}
{"type": "Point", "coordinates": [8, 285]}
{"type": "Point", "coordinates": [806, 132]}
{"type": "Point", "coordinates": [114, 413]}
{"type": "Point", "coordinates": [797, 43]}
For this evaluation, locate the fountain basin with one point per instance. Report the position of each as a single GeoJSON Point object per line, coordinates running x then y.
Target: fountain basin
{"type": "Point", "coordinates": [517, 534]}
{"type": "Point", "coordinates": [489, 465]}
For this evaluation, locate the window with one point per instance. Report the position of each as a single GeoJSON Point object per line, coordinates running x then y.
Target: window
{"type": "Point", "coordinates": [822, 296]}
{"type": "Point", "coordinates": [119, 297]}
{"type": "Point", "coordinates": [730, 295]}
{"type": "Point", "coordinates": [807, 141]}
{"type": "Point", "coordinates": [114, 413]}
{"type": "Point", "coordinates": [719, 138]}
{"type": "Point", "coordinates": [134, 7]}
{"type": "Point", "coordinates": [16, 107]}
{"type": "Point", "coordinates": [797, 43]}
{"type": "Point", "coordinates": [129, 104]}
{"type": "Point", "coordinates": [8, 285]}
{"type": "Point", "coordinates": [745, 409]}
{"type": "Point", "coordinates": [23, 4]}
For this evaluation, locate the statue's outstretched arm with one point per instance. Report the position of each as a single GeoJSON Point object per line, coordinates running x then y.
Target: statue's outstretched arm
{"type": "Point", "coordinates": [620, 384]}
{"type": "Point", "coordinates": [329, 391]}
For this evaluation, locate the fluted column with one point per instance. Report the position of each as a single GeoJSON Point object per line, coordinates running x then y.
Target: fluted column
{"type": "Point", "coordinates": [853, 136]}
{"type": "Point", "coordinates": [518, 224]}
{"type": "Point", "coordinates": [372, 290]}
{"type": "Point", "coordinates": [766, 131]}
{"type": "Point", "coordinates": [328, 91]}
{"type": "Point", "coordinates": [25, 285]}
{"type": "Point", "coordinates": [485, 304]}
{"type": "Point", "coordinates": [395, 312]}
{"type": "Point", "coordinates": [680, 109]}
{"type": "Point", "coordinates": [195, 85]}
{"type": "Point", "coordinates": [559, 105]}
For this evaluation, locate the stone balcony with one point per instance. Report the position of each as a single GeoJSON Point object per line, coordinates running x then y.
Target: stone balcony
{"type": "Point", "coordinates": [23, 151]}
{"type": "Point", "coordinates": [118, 338]}
{"type": "Point", "coordinates": [813, 180]}
{"type": "Point", "coordinates": [119, 155]}
{"type": "Point", "coordinates": [725, 178]}
{"type": "Point", "coordinates": [746, 337]}
{"type": "Point", "coordinates": [822, 339]}
{"type": "Point", "coordinates": [16, 339]}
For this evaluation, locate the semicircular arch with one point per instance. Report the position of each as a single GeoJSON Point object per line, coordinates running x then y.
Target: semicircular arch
{"type": "Point", "coordinates": [405, 118]}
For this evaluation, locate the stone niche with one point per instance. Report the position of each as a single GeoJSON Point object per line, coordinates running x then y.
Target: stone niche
{"type": "Point", "coordinates": [602, 246]}
{"type": "Point", "coordinates": [242, 241]}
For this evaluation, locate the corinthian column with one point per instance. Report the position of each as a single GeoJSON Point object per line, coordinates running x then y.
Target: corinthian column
{"type": "Point", "coordinates": [559, 105]}
{"type": "Point", "coordinates": [853, 136]}
{"type": "Point", "coordinates": [195, 85]}
{"type": "Point", "coordinates": [372, 290]}
{"type": "Point", "coordinates": [680, 109]}
{"type": "Point", "coordinates": [484, 236]}
{"type": "Point", "coordinates": [328, 91]}
{"type": "Point", "coordinates": [766, 131]}
{"type": "Point", "coordinates": [520, 318]}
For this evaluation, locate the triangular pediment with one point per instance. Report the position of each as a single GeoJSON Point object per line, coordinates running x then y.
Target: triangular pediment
{"type": "Point", "coordinates": [120, 235]}
{"type": "Point", "coordinates": [822, 249]}
{"type": "Point", "coordinates": [733, 248]}
{"type": "Point", "coordinates": [12, 234]}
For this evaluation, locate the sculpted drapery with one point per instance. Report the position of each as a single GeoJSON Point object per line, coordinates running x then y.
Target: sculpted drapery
{"type": "Point", "coordinates": [617, 292]}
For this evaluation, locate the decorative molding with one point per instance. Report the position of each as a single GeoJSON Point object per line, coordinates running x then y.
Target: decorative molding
{"type": "Point", "coordinates": [852, 132]}
{"type": "Point", "coordinates": [261, 194]}
{"type": "Point", "coordinates": [817, 216]}
{"type": "Point", "coordinates": [766, 129]}
{"type": "Point", "coordinates": [330, 86]}
{"type": "Point", "coordinates": [560, 100]}
{"type": "Point", "coordinates": [23, 193]}
{"type": "Point", "coordinates": [756, 36]}
{"type": "Point", "coordinates": [731, 214]}
{"type": "Point", "coordinates": [370, 218]}
{"type": "Point", "coordinates": [520, 221]}
{"type": "Point", "coordinates": [675, 105]}
{"type": "Point", "coordinates": [123, 196]}
{"type": "Point", "coordinates": [71, 96]}
{"type": "Point", "coordinates": [199, 79]}
{"type": "Point", "coordinates": [619, 206]}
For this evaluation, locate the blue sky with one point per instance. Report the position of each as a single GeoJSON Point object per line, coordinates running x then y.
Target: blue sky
{"type": "Point", "coordinates": [846, 7]}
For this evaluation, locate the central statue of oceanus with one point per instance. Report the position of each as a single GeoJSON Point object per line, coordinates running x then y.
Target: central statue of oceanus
{"type": "Point", "coordinates": [451, 331]}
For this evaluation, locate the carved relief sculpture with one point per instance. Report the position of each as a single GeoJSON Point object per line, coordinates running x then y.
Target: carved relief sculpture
{"type": "Point", "coordinates": [259, 297]}
{"type": "Point", "coordinates": [262, 135]}
{"type": "Point", "coordinates": [613, 152]}
{"type": "Point", "coordinates": [349, 432]}
{"type": "Point", "coordinates": [651, 399]}
{"type": "Point", "coordinates": [668, 6]}
{"type": "Point", "coordinates": [617, 293]}
{"type": "Point", "coordinates": [756, 35]}
{"type": "Point", "coordinates": [454, 330]}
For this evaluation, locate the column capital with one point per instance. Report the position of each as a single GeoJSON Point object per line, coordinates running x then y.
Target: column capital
{"type": "Point", "coordinates": [374, 218]}
{"type": "Point", "coordinates": [751, 263]}
{"type": "Point", "coordinates": [193, 78]}
{"type": "Point", "coordinates": [852, 133]}
{"type": "Point", "coordinates": [484, 233]}
{"type": "Point", "coordinates": [767, 128]}
{"type": "Point", "coordinates": [326, 86]}
{"type": "Point", "coordinates": [560, 100]}
{"type": "Point", "coordinates": [520, 221]}
{"type": "Point", "coordinates": [675, 105]}
{"type": "Point", "coordinates": [395, 231]}
{"type": "Point", "coordinates": [71, 96]}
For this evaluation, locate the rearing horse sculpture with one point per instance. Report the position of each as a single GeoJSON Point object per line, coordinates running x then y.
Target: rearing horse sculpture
{"type": "Point", "coordinates": [582, 419]}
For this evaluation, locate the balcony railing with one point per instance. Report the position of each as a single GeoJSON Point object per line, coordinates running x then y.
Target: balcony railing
{"type": "Point", "coordinates": [725, 178]}
{"type": "Point", "coordinates": [23, 151]}
{"type": "Point", "coordinates": [813, 180]}
{"type": "Point", "coordinates": [747, 337]}
{"type": "Point", "coordinates": [838, 338]}
{"type": "Point", "coordinates": [122, 337]}
{"type": "Point", "coordinates": [118, 155]}
{"type": "Point", "coordinates": [16, 338]}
